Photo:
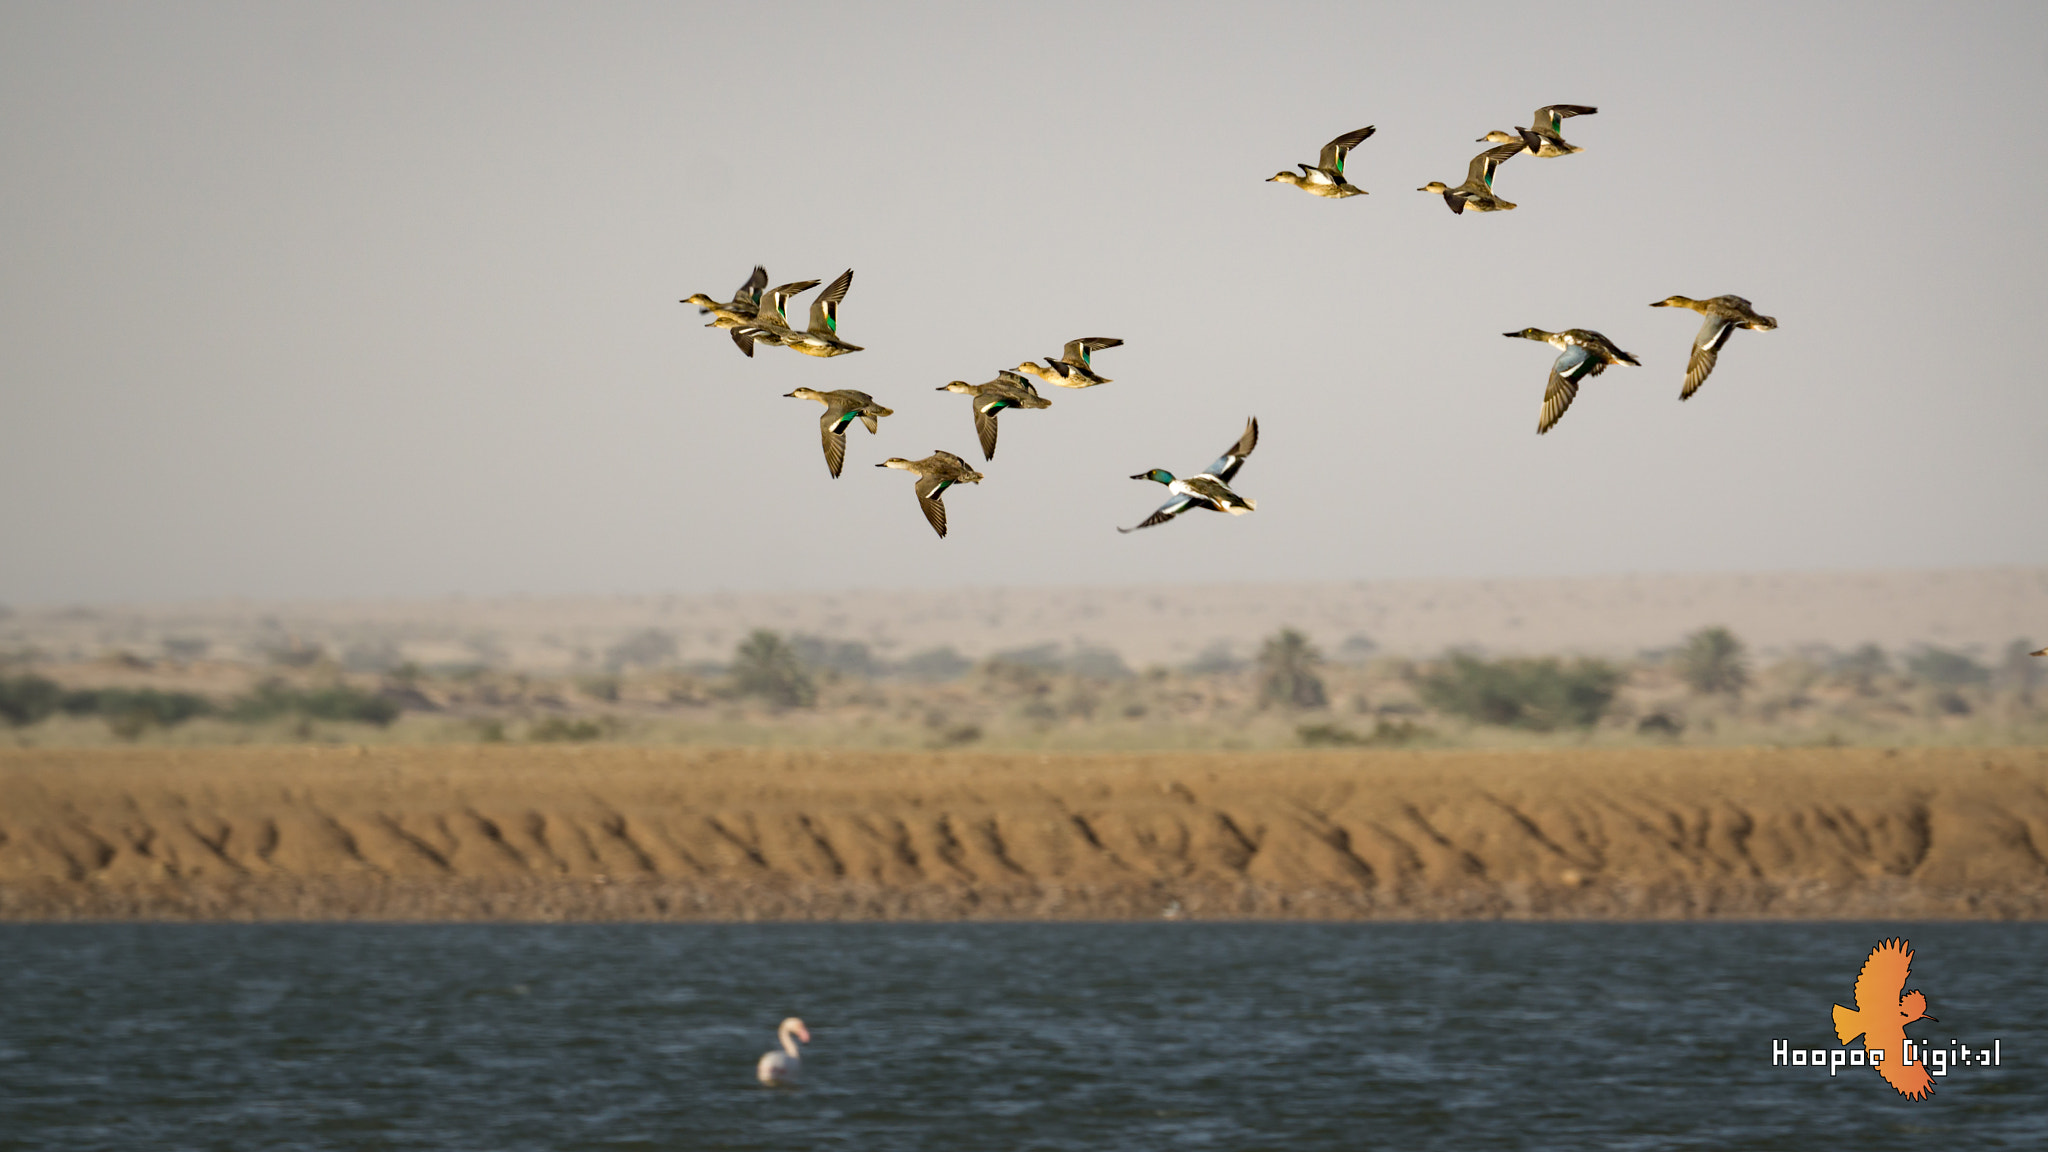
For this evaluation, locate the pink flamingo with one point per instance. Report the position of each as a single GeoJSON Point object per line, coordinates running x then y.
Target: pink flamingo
{"type": "Point", "coordinates": [783, 1068]}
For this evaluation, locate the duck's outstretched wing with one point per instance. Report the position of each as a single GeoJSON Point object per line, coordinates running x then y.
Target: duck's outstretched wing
{"type": "Point", "coordinates": [1553, 116]}
{"type": "Point", "coordinates": [774, 308]}
{"type": "Point", "coordinates": [1572, 366]}
{"type": "Point", "coordinates": [1335, 151]}
{"type": "Point", "coordinates": [1167, 511]}
{"type": "Point", "coordinates": [1706, 349]}
{"type": "Point", "coordinates": [929, 491]}
{"type": "Point", "coordinates": [1225, 467]}
{"type": "Point", "coordinates": [750, 292]}
{"type": "Point", "coordinates": [1079, 351]}
{"type": "Point", "coordinates": [832, 428]}
{"type": "Point", "coordinates": [1485, 164]}
{"type": "Point", "coordinates": [748, 297]}
{"type": "Point", "coordinates": [985, 409]}
{"type": "Point", "coordinates": [825, 309]}
{"type": "Point", "coordinates": [744, 337]}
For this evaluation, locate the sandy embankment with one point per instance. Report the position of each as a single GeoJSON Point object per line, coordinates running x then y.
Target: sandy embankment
{"type": "Point", "coordinates": [622, 833]}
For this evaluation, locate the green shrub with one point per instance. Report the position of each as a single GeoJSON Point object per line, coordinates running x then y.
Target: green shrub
{"type": "Point", "coordinates": [27, 699]}
{"type": "Point", "coordinates": [1945, 669]}
{"type": "Point", "coordinates": [766, 667]}
{"type": "Point", "coordinates": [934, 664]}
{"type": "Point", "coordinates": [130, 710]}
{"type": "Point", "coordinates": [274, 698]}
{"type": "Point", "coordinates": [1383, 735]}
{"type": "Point", "coordinates": [1287, 675]}
{"type": "Point", "coordinates": [846, 657]}
{"type": "Point", "coordinates": [1536, 694]}
{"type": "Point", "coordinates": [1713, 661]}
{"type": "Point", "coordinates": [556, 728]}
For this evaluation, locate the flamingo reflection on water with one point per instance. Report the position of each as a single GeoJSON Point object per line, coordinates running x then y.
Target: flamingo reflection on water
{"type": "Point", "coordinates": [783, 1068]}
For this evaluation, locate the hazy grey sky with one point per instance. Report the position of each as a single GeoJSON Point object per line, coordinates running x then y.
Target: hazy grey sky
{"type": "Point", "coordinates": [355, 300]}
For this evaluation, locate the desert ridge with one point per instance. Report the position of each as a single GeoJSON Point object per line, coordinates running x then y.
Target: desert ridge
{"type": "Point", "coordinates": [623, 833]}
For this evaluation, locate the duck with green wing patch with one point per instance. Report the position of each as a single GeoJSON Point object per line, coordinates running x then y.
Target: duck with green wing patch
{"type": "Point", "coordinates": [1583, 352]}
{"type": "Point", "coordinates": [1075, 367]}
{"type": "Point", "coordinates": [822, 337]}
{"type": "Point", "coordinates": [935, 473]}
{"type": "Point", "coordinates": [740, 308]}
{"type": "Point", "coordinates": [842, 407]}
{"type": "Point", "coordinates": [1206, 489]}
{"type": "Point", "coordinates": [1477, 192]}
{"type": "Point", "coordinates": [1326, 178]}
{"type": "Point", "coordinates": [1543, 138]}
{"type": "Point", "coordinates": [770, 322]}
{"type": "Point", "coordinates": [1007, 390]}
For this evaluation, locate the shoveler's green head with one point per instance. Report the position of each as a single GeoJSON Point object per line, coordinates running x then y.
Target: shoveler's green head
{"type": "Point", "coordinates": [1675, 302]}
{"type": "Point", "coordinates": [1528, 334]}
{"type": "Point", "coordinates": [1159, 474]}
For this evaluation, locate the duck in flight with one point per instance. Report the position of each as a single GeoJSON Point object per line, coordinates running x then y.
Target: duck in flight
{"type": "Point", "coordinates": [1073, 369]}
{"type": "Point", "coordinates": [1209, 488]}
{"type": "Point", "coordinates": [1583, 352]}
{"type": "Point", "coordinates": [1477, 192]}
{"type": "Point", "coordinates": [769, 321]}
{"type": "Point", "coordinates": [1724, 315]}
{"type": "Point", "coordinates": [1542, 138]}
{"type": "Point", "coordinates": [935, 473]}
{"type": "Point", "coordinates": [740, 308]}
{"type": "Point", "coordinates": [820, 339]}
{"type": "Point", "coordinates": [1007, 390]}
{"type": "Point", "coordinates": [842, 407]}
{"type": "Point", "coordinates": [1326, 178]}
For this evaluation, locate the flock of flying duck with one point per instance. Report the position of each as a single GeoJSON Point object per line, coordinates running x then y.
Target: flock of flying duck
{"type": "Point", "coordinates": [759, 315]}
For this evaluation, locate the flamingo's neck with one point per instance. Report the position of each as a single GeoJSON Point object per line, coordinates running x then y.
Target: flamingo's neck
{"type": "Point", "coordinates": [789, 1044]}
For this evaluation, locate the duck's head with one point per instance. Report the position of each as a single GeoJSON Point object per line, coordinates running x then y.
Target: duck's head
{"type": "Point", "coordinates": [1159, 474]}
{"type": "Point", "coordinates": [1436, 186]}
{"type": "Point", "coordinates": [1528, 334]}
{"type": "Point", "coordinates": [699, 299]}
{"type": "Point", "coordinates": [807, 394]}
{"type": "Point", "coordinates": [1293, 178]}
{"type": "Point", "coordinates": [956, 386]}
{"type": "Point", "coordinates": [1499, 137]}
{"type": "Point", "coordinates": [1675, 302]}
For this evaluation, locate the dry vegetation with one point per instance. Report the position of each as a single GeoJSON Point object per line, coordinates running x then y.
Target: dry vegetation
{"type": "Point", "coordinates": [807, 691]}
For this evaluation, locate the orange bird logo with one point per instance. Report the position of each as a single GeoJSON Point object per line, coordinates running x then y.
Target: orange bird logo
{"type": "Point", "coordinates": [1882, 1013]}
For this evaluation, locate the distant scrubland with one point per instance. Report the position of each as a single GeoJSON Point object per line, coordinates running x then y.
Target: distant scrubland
{"type": "Point", "coordinates": [776, 689]}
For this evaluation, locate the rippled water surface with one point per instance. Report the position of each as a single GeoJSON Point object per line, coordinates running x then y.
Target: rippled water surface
{"type": "Point", "coordinates": [959, 1037]}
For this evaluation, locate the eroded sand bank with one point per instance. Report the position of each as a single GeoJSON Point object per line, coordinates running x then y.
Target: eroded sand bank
{"type": "Point", "coordinates": [532, 833]}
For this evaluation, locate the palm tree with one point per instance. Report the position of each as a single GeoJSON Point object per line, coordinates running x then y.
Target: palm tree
{"type": "Point", "coordinates": [1713, 661]}
{"type": "Point", "coordinates": [1287, 672]}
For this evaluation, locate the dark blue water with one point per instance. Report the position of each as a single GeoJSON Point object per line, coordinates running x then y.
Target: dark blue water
{"type": "Point", "coordinates": [961, 1037]}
